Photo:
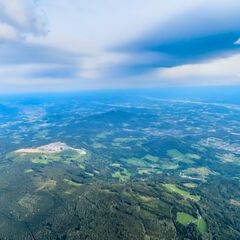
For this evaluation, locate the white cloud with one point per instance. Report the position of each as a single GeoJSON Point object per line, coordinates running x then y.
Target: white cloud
{"type": "Point", "coordinates": [95, 65]}
{"type": "Point", "coordinates": [19, 18]}
{"type": "Point", "coordinates": [25, 70]}
{"type": "Point", "coordinates": [101, 24]}
{"type": "Point", "coordinates": [8, 32]}
{"type": "Point", "coordinates": [237, 42]}
{"type": "Point", "coordinates": [17, 78]}
{"type": "Point", "coordinates": [220, 71]}
{"type": "Point", "coordinates": [95, 24]}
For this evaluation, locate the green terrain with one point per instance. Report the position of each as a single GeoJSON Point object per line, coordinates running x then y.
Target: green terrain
{"type": "Point", "coordinates": [87, 168]}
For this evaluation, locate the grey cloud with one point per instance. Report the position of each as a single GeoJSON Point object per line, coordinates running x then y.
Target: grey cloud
{"type": "Point", "coordinates": [21, 18]}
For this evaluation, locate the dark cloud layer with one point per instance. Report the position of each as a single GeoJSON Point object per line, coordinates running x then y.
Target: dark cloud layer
{"type": "Point", "coordinates": [204, 33]}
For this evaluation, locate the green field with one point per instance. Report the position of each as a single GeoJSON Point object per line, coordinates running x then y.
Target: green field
{"type": "Point", "coordinates": [179, 156]}
{"type": "Point", "coordinates": [122, 175]}
{"type": "Point", "coordinates": [185, 219]}
{"type": "Point", "coordinates": [169, 166]}
{"type": "Point", "coordinates": [72, 183]}
{"type": "Point", "coordinates": [151, 158]}
{"type": "Point", "coordinates": [202, 225]}
{"type": "Point", "coordinates": [183, 193]}
{"type": "Point", "coordinates": [202, 173]}
{"type": "Point", "coordinates": [67, 157]}
{"type": "Point", "coordinates": [190, 185]}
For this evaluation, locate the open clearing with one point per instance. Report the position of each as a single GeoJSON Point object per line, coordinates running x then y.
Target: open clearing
{"type": "Point", "coordinates": [176, 155]}
{"type": "Point", "coordinates": [56, 147]}
{"type": "Point", "coordinates": [185, 219]}
{"type": "Point", "coordinates": [183, 193]}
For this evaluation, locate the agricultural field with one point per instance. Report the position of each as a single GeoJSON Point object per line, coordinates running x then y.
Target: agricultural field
{"type": "Point", "coordinates": [183, 193]}
{"type": "Point", "coordinates": [186, 219]}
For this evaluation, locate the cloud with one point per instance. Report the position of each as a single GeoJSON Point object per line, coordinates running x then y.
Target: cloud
{"type": "Point", "coordinates": [36, 77]}
{"type": "Point", "coordinates": [25, 53]}
{"type": "Point", "coordinates": [107, 44]}
{"type": "Point", "coordinates": [105, 23]}
{"type": "Point", "coordinates": [27, 67]}
{"type": "Point", "coordinates": [19, 18]}
{"type": "Point", "coordinates": [8, 32]}
{"type": "Point", "coordinates": [237, 42]}
{"type": "Point", "coordinates": [29, 71]}
{"type": "Point", "coordinates": [100, 64]}
{"type": "Point", "coordinates": [223, 71]}
{"type": "Point", "coordinates": [206, 30]}
{"type": "Point", "coordinates": [202, 19]}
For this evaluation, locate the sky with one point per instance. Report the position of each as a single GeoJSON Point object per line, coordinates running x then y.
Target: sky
{"type": "Point", "coordinates": [73, 45]}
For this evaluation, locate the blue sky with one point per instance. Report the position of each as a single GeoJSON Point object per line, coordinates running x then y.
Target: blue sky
{"type": "Point", "coordinates": [62, 45]}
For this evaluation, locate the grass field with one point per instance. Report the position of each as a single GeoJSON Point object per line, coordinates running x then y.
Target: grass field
{"type": "Point", "coordinates": [183, 193]}
{"type": "Point", "coordinates": [201, 173]}
{"type": "Point", "coordinates": [175, 154]}
{"type": "Point", "coordinates": [169, 166]}
{"type": "Point", "coordinates": [151, 158]}
{"type": "Point", "coordinates": [122, 175]}
{"type": "Point", "coordinates": [202, 225]}
{"type": "Point", "coordinates": [178, 156]}
{"type": "Point", "coordinates": [117, 165]}
{"type": "Point", "coordinates": [190, 185]}
{"type": "Point", "coordinates": [72, 183]}
{"type": "Point", "coordinates": [186, 219]}
{"type": "Point", "coordinates": [67, 157]}
{"type": "Point", "coordinates": [138, 162]}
